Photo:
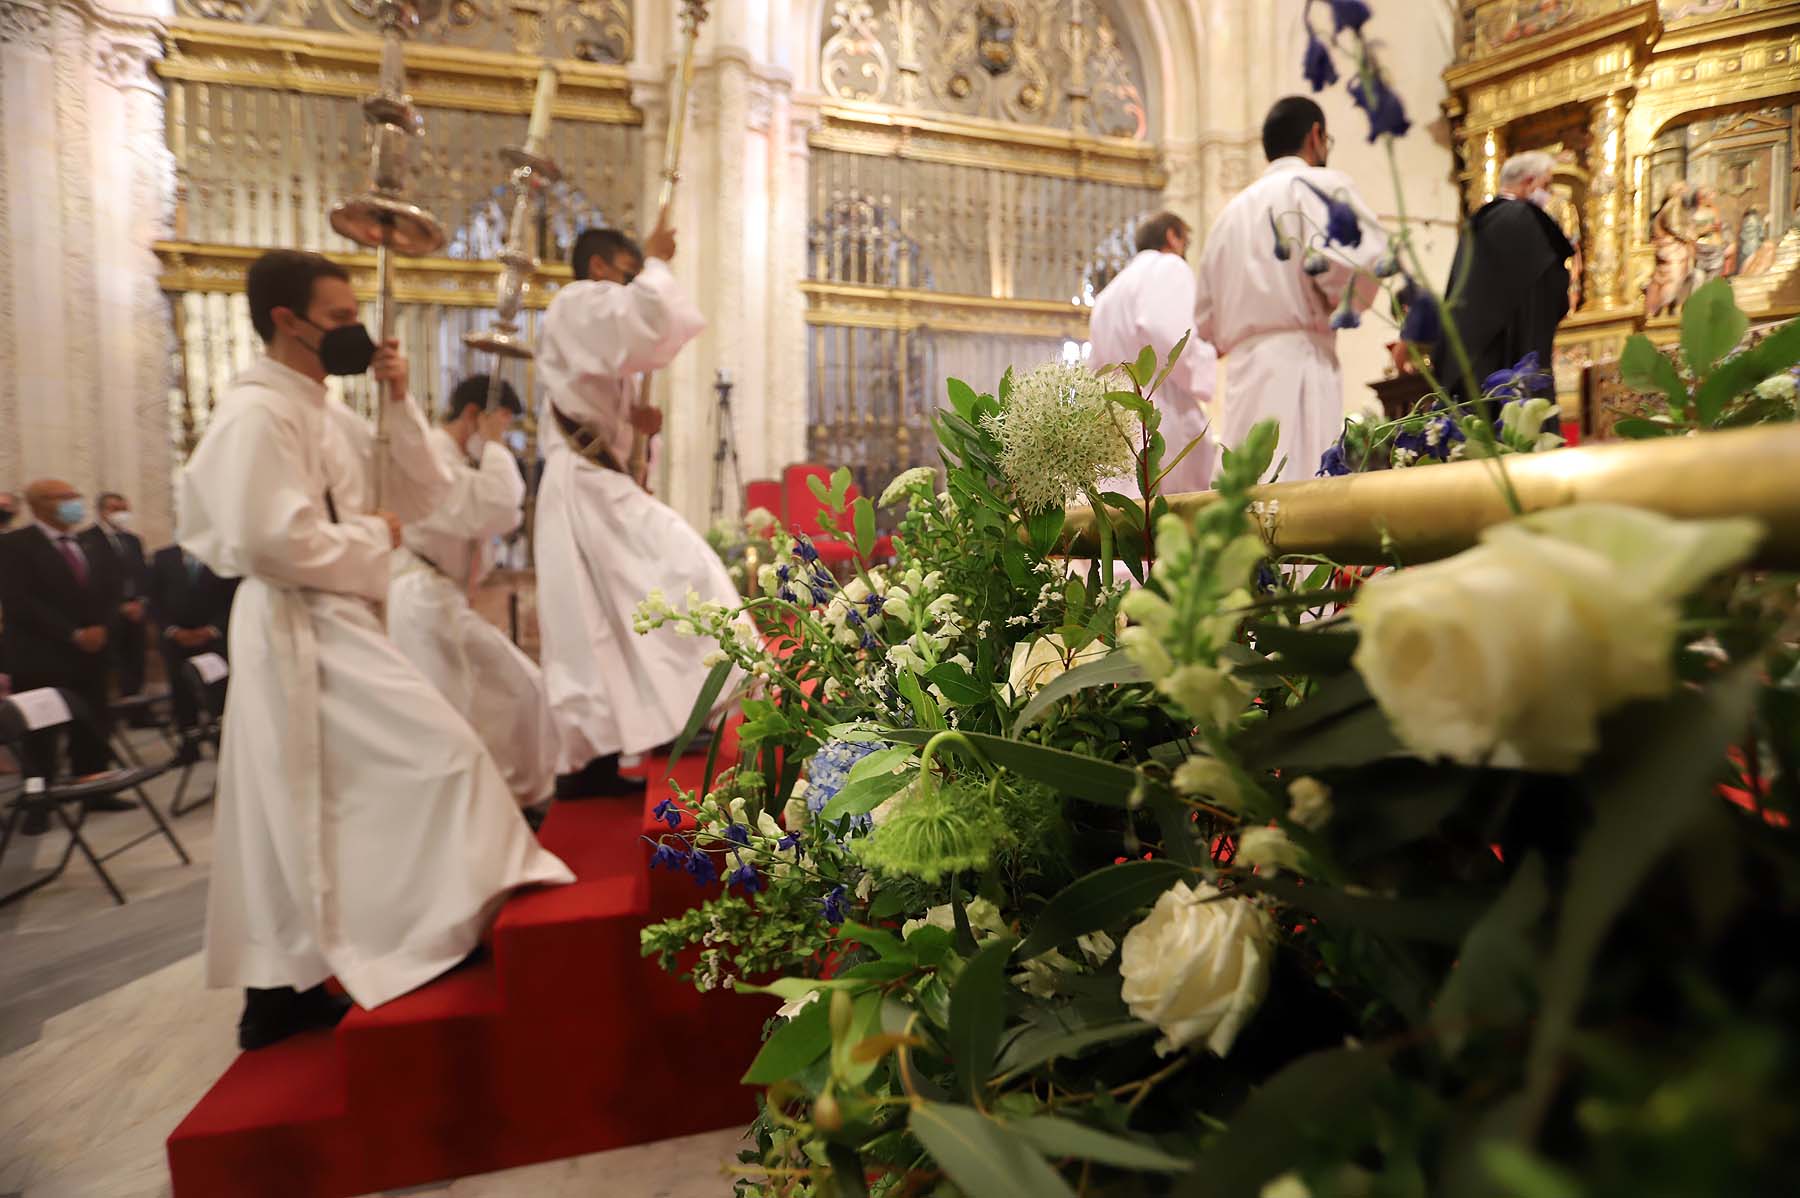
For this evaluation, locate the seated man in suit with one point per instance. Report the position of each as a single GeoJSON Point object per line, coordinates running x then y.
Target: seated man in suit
{"type": "Point", "coordinates": [111, 535]}
{"type": "Point", "coordinates": [59, 601]}
{"type": "Point", "coordinates": [190, 608]}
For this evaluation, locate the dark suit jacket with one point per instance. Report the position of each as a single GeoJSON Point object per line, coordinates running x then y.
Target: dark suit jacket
{"type": "Point", "coordinates": [128, 559]}
{"type": "Point", "coordinates": [180, 601]}
{"type": "Point", "coordinates": [44, 605]}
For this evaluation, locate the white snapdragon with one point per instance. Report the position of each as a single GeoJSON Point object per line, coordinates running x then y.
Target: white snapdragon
{"type": "Point", "coordinates": [919, 478]}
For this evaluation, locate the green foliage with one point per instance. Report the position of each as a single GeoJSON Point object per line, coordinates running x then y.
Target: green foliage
{"type": "Point", "coordinates": [1715, 381]}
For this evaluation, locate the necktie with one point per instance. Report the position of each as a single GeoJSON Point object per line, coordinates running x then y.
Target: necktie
{"type": "Point", "coordinates": [72, 555]}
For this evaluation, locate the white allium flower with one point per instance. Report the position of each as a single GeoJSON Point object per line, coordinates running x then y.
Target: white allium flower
{"type": "Point", "coordinates": [1059, 436]}
{"type": "Point", "coordinates": [1778, 386]}
{"type": "Point", "coordinates": [759, 520]}
{"type": "Point", "coordinates": [907, 480]}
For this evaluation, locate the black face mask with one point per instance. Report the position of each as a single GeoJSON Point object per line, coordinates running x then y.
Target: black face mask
{"type": "Point", "coordinates": [346, 349]}
{"type": "Point", "coordinates": [6, 516]}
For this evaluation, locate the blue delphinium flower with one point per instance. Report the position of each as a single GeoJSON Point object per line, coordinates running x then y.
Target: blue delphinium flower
{"type": "Point", "coordinates": [1523, 379]}
{"type": "Point", "coordinates": [1349, 14]}
{"type": "Point", "coordinates": [829, 769]}
{"type": "Point", "coordinates": [1346, 316]}
{"type": "Point", "coordinates": [745, 875]}
{"type": "Point", "coordinates": [668, 813]}
{"type": "Point", "coordinates": [869, 642]}
{"type": "Point", "coordinates": [1314, 262]}
{"type": "Point", "coordinates": [668, 857]}
{"type": "Point", "coordinates": [1341, 225]}
{"type": "Point", "coordinates": [1388, 265]}
{"type": "Point", "coordinates": [788, 843]}
{"type": "Point", "coordinates": [1386, 113]}
{"type": "Point", "coordinates": [1424, 322]}
{"type": "Point", "coordinates": [1333, 463]}
{"type": "Point", "coordinates": [833, 905]}
{"type": "Point", "coordinates": [702, 868]}
{"type": "Point", "coordinates": [738, 834]}
{"type": "Point", "coordinates": [1434, 439]}
{"type": "Point", "coordinates": [803, 549]}
{"type": "Point", "coordinates": [1319, 70]}
{"type": "Point", "coordinates": [872, 605]}
{"type": "Point", "coordinates": [1283, 251]}
{"type": "Point", "coordinates": [821, 596]}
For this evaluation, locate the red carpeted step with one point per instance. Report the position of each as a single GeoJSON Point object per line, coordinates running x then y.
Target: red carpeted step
{"type": "Point", "coordinates": [562, 1040]}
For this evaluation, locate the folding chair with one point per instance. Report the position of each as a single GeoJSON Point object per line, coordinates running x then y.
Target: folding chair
{"type": "Point", "coordinates": [50, 710]}
{"type": "Point", "coordinates": [204, 676]}
{"type": "Point", "coordinates": [155, 704]}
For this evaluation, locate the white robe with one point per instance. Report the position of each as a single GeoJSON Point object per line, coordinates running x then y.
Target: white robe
{"type": "Point", "coordinates": [1271, 321]}
{"type": "Point", "coordinates": [362, 829]}
{"type": "Point", "coordinates": [603, 543]}
{"type": "Point", "coordinates": [1151, 302]}
{"type": "Point", "coordinates": [498, 689]}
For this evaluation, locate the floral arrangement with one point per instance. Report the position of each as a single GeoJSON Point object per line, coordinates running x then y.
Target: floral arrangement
{"type": "Point", "coordinates": [732, 537]}
{"type": "Point", "coordinates": [1074, 884]}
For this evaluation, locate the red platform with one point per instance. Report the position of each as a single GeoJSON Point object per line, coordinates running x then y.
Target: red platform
{"type": "Point", "coordinates": [562, 1040]}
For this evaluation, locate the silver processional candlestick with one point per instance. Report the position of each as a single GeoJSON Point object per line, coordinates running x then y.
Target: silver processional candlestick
{"type": "Point", "coordinates": [381, 218]}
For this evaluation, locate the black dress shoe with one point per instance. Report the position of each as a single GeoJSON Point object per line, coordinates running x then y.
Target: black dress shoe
{"type": "Point", "coordinates": [108, 803]}
{"type": "Point", "coordinates": [271, 1016]}
{"type": "Point", "coordinates": [598, 779]}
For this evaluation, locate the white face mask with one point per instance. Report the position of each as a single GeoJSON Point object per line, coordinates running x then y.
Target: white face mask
{"type": "Point", "coordinates": [120, 520]}
{"type": "Point", "coordinates": [473, 445]}
{"type": "Point", "coordinates": [1540, 197]}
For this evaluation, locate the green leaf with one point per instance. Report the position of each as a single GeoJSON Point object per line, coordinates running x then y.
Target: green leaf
{"type": "Point", "coordinates": [1036, 1046]}
{"type": "Point", "coordinates": [1443, 919]}
{"type": "Point", "coordinates": [925, 708]}
{"type": "Point", "coordinates": [1711, 326]}
{"type": "Point", "coordinates": [819, 490]}
{"type": "Point", "coordinates": [1637, 428]}
{"type": "Point", "coordinates": [862, 514]}
{"type": "Point", "coordinates": [978, 1013]}
{"type": "Point", "coordinates": [1305, 651]}
{"type": "Point", "coordinates": [703, 706]}
{"type": "Point", "coordinates": [841, 478]}
{"type": "Point", "coordinates": [1773, 354]}
{"type": "Point", "coordinates": [1339, 727]}
{"type": "Point", "coordinates": [1115, 669]}
{"type": "Point", "coordinates": [1144, 369]}
{"type": "Point", "coordinates": [865, 1021]}
{"type": "Point", "coordinates": [1524, 1174]}
{"type": "Point", "coordinates": [1100, 900]}
{"type": "Point", "coordinates": [847, 1171]}
{"type": "Point", "coordinates": [1044, 528]}
{"type": "Point", "coordinates": [959, 688]}
{"type": "Point", "coordinates": [1058, 1138]}
{"type": "Point", "coordinates": [1490, 984]}
{"type": "Point", "coordinates": [1651, 784]}
{"type": "Point", "coordinates": [1643, 366]}
{"type": "Point", "coordinates": [962, 398]}
{"type": "Point", "coordinates": [982, 1157]}
{"type": "Point", "coordinates": [795, 1045]}
{"type": "Point", "coordinates": [862, 797]}
{"type": "Point", "coordinates": [1169, 362]}
{"type": "Point", "coordinates": [879, 941]}
{"type": "Point", "coordinates": [1326, 1092]}
{"type": "Point", "coordinates": [1067, 773]}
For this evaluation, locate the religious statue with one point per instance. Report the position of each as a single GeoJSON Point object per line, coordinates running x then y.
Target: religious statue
{"type": "Point", "coordinates": [1672, 239]}
{"type": "Point", "coordinates": [1714, 249]}
{"type": "Point", "coordinates": [1756, 249]}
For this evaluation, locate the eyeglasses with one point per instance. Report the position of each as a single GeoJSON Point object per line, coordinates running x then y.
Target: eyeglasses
{"type": "Point", "coordinates": [1330, 142]}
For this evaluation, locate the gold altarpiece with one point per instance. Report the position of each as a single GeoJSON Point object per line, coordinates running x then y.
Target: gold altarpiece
{"type": "Point", "coordinates": [1674, 125]}
{"type": "Point", "coordinates": [976, 176]}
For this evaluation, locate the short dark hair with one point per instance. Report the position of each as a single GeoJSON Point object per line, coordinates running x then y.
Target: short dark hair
{"type": "Point", "coordinates": [472, 392]}
{"type": "Point", "coordinates": [1153, 234]}
{"type": "Point", "coordinates": [1286, 126]}
{"type": "Point", "coordinates": [284, 279]}
{"type": "Point", "coordinates": [602, 243]}
{"type": "Point", "coordinates": [100, 499]}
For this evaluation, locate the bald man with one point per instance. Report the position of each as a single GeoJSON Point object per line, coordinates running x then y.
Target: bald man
{"type": "Point", "coordinates": [59, 601]}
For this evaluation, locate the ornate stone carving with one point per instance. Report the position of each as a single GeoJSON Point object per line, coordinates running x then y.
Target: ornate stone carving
{"type": "Point", "coordinates": [25, 23]}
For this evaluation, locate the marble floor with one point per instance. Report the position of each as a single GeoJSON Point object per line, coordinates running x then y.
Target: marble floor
{"type": "Point", "coordinates": [108, 1035]}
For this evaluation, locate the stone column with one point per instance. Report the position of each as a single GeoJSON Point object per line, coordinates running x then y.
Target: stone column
{"type": "Point", "coordinates": [1608, 201]}
{"type": "Point", "coordinates": [784, 406]}
{"type": "Point", "coordinates": [83, 332]}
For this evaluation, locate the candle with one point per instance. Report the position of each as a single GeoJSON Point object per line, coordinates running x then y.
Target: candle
{"type": "Point", "coordinates": [540, 111]}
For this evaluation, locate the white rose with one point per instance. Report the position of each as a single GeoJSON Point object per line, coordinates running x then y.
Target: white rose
{"type": "Point", "coordinates": [1510, 652]}
{"type": "Point", "coordinates": [1197, 967]}
{"type": "Point", "coordinates": [1288, 1185]}
{"type": "Point", "coordinates": [984, 919]}
{"type": "Point", "coordinates": [1309, 804]}
{"type": "Point", "coordinates": [1035, 663]}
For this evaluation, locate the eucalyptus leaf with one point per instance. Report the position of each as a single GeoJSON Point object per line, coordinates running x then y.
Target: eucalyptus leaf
{"type": "Point", "coordinates": [1036, 1046]}
{"type": "Point", "coordinates": [1304, 650]}
{"type": "Point", "coordinates": [1643, 366]}
{"type": "Point", "coordinates": [704, 703]}
{"type": "Point", "coordinates": [959, 688]}
{"type": "Point", "coordinates": [862, 514]}
{"type": "Point", "coordinates": [1100, 900]}
{"type": "Point", "coordinates": [1057, 1138]}
{"type": "Point", "coordinates": [795, 1045]}
{"type": "Point", "coordinates": [1491, 982]}
{"type": "Point", "coordinates": [1115, 669]}
{"type": "Point", "coordinates": [847, 1171]}
{"type": "Point", "coordinates": [1711, 325]}
{"type": "Point", "coordinates": [982, 1157]}
{"type": "Point", "coordinates": [1773, 354]}
{"type": "Point", "coordinates": [863, 796]}
{"type": "Point", "coordinates": [978, 1013]}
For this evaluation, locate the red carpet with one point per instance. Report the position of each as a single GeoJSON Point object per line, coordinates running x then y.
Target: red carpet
{"type": "Point", "coordinates": [562, 1040]}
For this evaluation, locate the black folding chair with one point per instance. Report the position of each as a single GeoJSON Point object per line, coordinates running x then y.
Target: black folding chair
{"type": "Point", "coordinates": [35, 712]}
{"type": "Point", "coordinates": [205, 677]}
{"type": "Point", "coordinates": [152, 703]}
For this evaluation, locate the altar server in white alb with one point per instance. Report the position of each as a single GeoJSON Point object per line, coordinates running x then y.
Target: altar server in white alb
{"type": "Point", "coordinates": [1151, 302]}
{"type": "Point", "coordinates": [603, 543]}
{"type": "Point", "coordinates": [363, 830]}
{"type": "Point", "coordinates": [498, 689]}
{"type": "Point", "coordinates": [1271, 315]}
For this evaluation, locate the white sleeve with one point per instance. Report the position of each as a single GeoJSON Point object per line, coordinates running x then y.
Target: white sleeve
{"type": "Point", "coordinates": [258, 517]}
{"type": "Point", "coordinates": [417, 482]}
{"type": "Point", "coordinates": [483, 502]}
{"type": "Point", "coordinates": [1204, 327]}
{"type": "Point", "coordinates": [1170, 315]}
{"type": "Point", "coordinates": [609, 331]}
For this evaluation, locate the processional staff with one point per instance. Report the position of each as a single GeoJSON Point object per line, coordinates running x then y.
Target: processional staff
{"type": "Point", "coordinates": [693, 14]}
{"type": "Point", "coordinates": [382, 218]}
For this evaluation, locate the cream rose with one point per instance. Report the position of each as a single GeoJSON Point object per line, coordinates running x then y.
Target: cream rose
{"type": "Point", "coordinates": [1510, 652]}
{"type": "Point", "coordinates": [1036, 663]}
{"type": "Point", "coordinates": [1197, 967]}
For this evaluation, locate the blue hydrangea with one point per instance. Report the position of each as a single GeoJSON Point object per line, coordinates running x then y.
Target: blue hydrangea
{"type": "Point", "coordinates": [829, 770]}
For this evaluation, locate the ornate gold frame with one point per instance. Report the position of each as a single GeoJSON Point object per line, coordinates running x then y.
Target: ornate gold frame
{"type": "Point", "coordinates": [189, 266]}
{"type": "Point", "coordinates": [843, 304]}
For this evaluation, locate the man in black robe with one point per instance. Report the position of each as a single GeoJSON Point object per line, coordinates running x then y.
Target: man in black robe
{"type": "Point", "coordinates": [1509, 284]}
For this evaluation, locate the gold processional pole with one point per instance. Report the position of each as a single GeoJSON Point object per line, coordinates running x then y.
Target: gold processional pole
{"type": "Point", "coordinates": [693, 14]}
{"type": "Point", "coordinates": [381, 218]}
{"type": "Point", "coordinates": [532, 170]}
{"type": "Point", "coordinates": [1429, 512]}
